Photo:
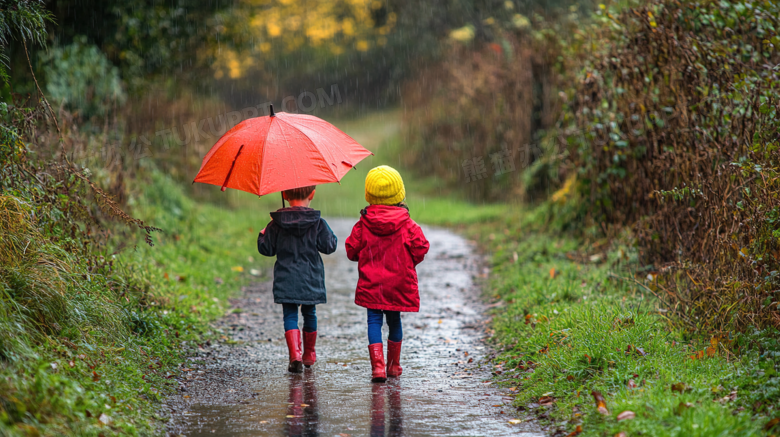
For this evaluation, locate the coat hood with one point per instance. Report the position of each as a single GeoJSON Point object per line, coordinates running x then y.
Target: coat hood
{"type": "Point", "coordinates": [384, 219]}
{"type": "Point", "coordinates": [296, 219]}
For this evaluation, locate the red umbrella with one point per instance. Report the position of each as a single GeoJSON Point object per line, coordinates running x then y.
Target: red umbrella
{"type": "Point", "coordinates": [279, 152]}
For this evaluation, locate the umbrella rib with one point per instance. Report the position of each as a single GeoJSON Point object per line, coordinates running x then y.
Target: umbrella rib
{"type": "Point", "coordinates": [230, 172]}
{"type": "Point", "coordinates": [287, 143]}
{"type": "Point", "coordinates": [262, 158]}
{"type": "Point", "coordinates": [318, 149]}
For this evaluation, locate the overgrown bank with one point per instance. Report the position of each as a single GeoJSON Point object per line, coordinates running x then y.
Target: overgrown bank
{"type": "Point", "coordinates": [91, 337]}
{"type": "Point", "coordinates": [650, 274]}
{"type": "Point", "coordinates": [658, 117]}
{"type": "Point", "coordinates": [573, 321]}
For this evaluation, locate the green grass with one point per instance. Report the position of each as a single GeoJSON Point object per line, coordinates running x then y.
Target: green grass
{"type": "Point", "coordinates": [107, 340]}
{"type": "Point", "coordinates": [576, 325]}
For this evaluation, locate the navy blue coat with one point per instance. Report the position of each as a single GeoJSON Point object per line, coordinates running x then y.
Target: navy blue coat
{"type": "Point", "coordinates": [295, 236]}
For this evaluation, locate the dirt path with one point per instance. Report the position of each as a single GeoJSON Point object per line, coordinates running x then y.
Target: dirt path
{"type": "Point", "coordinates": [244, 390]}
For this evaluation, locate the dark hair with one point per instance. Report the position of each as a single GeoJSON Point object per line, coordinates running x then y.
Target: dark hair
{"type": "Point", "coordinates": [298, 193]}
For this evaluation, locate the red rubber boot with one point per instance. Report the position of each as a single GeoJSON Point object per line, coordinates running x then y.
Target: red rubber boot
{"type": "Point", "coordinates": [309, 354]}
{"type": "Point", "coordinates": [377, 362]}
{"type": "Point", "coordinates": [394, 359]}
{"type": "Point", "coordinates": [293, 338]}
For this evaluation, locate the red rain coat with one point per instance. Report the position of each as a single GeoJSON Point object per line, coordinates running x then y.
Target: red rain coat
{"type": "Point", "coordinates": [388, 245]}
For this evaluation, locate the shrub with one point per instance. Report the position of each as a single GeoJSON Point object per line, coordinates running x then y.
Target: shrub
{"type": "Point", "coordinates": [680, 114]}
{"type": "Point", "coordinates": [80, 77]}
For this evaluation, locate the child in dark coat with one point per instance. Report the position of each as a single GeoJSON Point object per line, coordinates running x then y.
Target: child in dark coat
{"type": "Point", "coordinates": [296, 236]}
{"type": "Point", "coordinates": [388, 245]}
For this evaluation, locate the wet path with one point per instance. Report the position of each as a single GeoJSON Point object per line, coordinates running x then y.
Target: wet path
{"type": "Point", "coordinates": [244, 390]}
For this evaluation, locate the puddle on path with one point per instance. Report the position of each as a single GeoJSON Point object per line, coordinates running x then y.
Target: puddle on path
{"type": "Point", "coordinates": [244, 390]}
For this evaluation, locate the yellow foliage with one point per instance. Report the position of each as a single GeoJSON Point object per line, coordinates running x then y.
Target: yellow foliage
{"type": "Point", "coordinates": [464, 34]}
{"type": "Point", "coordinates": [565, 191]}
{"type": "Point", "coordinates": [520, 21]}
{"type": "Point", "coordinates": [333, 25]}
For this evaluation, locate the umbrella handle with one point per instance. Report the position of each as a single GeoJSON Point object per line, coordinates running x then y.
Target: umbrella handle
{"type": "Point", "coordinates": [224, 185]}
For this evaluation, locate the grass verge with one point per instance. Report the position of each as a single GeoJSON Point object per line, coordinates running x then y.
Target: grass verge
{"type": "Point", "coordinates": [89, 349]}
{"type": "Point", "coordinates": [573, 319]}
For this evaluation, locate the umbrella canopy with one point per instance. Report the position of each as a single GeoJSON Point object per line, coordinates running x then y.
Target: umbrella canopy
{"type": "Point", "coordinates": [279, 152]}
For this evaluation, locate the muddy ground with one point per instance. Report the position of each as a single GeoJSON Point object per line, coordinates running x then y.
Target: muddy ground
{"type": "Point", "coordinates": [244, 389]}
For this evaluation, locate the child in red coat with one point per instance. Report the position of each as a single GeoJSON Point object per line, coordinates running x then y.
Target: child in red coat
{"type": "Point", "coordinates": [388, 245]}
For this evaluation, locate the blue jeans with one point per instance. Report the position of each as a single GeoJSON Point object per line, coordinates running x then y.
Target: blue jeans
{"type": "Point", "coordinates": [309, 312]}
{"type": "Point", "coordinates": [375, 325]}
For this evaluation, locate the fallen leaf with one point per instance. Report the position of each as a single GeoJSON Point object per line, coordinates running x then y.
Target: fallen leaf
{"type": "Point", "coordinates": [95, 376]}
{"type": "Point", "coordinates": [546, 400]}
{"type": "Point", "coordinates": [681, 407]}
{"type": "Point", "coordinates": [237, 269]}
{"type": "Point", "coordinates": [640, 351]}
{"type": "Point", "coordinates": [71, 363]}
{"type": "Point", "coordinates": [577, 431]}
{"type": "Point", "coordinates": [515, 421]}
{"type": "Point", "coordinates": [218, 281]}
{"type": "Point", "coordinates": [626, 415]}
{"type": "Point", "coordinates": [651, 276]}
{"type": "Point", "coordinates": [731, 396]}
{"type": "Point", "coordinates": [681, 387]}
{"type": "Point", "coordinates": [553, 273]}
{"type": "Point", "coordinates": [601, 403]}
{"type": "Point", "coordinates": [104, 419]}
{"type": "Point", "coordinates": [620, 434]}
{"type": "Point", "coordinates": [570, 378]}
{"type": "Point", "coordinates": [771, 424]}
{"type": "Point", "coordinates": [344, 435]}
{"type": "Point", "coordinates": [54, 366]}
{"type": "Point", "coordinates": [631, 384]}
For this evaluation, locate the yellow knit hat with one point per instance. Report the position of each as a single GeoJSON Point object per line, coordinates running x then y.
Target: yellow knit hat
{"type": "Point", "coordinates": [384, 186]}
